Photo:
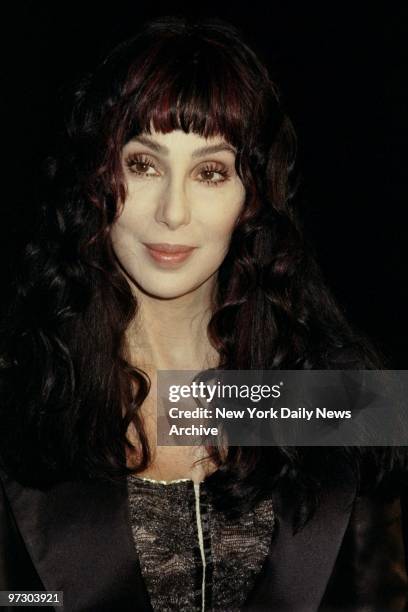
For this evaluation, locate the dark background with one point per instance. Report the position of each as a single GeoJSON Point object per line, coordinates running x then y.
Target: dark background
{"type": "Point", "coordinates": [341, 69]}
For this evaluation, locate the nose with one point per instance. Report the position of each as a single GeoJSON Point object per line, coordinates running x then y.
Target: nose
{"type": "Point", "coordinates": [173, 207]}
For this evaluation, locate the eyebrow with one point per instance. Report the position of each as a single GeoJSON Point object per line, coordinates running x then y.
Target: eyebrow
{"type": "Point", "coordinates": [208, 150]}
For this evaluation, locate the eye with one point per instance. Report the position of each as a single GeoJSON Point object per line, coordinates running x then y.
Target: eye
{"type": "Point", "coordinates": [140, 164]}
{"type": "Point", "coordinates": [210, 170]}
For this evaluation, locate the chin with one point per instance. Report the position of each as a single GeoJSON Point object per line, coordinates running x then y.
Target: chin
{"type": "Point", "coordinates": [163, 291]}
{"type": "Point", "coordinates": [165, 294]}
{"type": "Point", "coordinates": [169, 288]}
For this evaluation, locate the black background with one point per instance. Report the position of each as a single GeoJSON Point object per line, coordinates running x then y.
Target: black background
{"type": "Point", "coordinates": [342, 71]}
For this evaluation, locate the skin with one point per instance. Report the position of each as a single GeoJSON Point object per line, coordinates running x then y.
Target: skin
{"type": "Point", "coordinates": [176, 195]}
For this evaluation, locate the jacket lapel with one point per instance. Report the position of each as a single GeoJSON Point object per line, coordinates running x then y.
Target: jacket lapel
{"type": "Point", "coordinates": [298, 567]}
{"type": "Point", "coordinates": [79, 538]}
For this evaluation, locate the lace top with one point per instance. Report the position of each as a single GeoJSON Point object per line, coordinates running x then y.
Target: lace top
{"type": "Point", "coordinates": [192, 558]}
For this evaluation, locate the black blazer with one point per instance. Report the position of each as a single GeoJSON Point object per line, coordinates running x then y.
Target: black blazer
{"type": "Point", "coordinates": [76, 538]}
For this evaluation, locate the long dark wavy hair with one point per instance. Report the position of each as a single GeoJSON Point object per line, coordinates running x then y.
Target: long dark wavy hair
{"type": "Point", "coordinates": [68, 390]}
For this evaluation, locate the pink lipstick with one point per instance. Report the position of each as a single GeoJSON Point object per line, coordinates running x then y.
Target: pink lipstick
{"type": "Point", "coordinates": [169, 254]}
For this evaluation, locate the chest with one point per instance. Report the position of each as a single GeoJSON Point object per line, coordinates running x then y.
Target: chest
{"type": "Point", "coordinates": [167, 462]}
{"type": "Point", "coordinates": [192, 556]}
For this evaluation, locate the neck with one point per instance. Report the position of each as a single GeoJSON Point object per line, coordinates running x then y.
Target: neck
{"type": "Point", "coordinates": [172, 333]}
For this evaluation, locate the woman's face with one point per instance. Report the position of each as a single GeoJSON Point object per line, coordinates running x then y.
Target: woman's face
{"type": "Point", "coordinates": [182, 193]}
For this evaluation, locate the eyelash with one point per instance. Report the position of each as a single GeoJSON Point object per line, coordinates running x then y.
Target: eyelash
{"type": "Point", "coordinates": [131, 160]}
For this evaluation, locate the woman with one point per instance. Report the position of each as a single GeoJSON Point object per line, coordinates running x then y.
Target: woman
{"type": "Point", "coordinates": [168, 240]}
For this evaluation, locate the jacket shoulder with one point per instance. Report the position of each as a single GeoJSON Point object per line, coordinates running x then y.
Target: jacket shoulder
{"type": "Point", "coordinates": [370, 573]}
{"type": "Point", "coordinates": [16, 568]}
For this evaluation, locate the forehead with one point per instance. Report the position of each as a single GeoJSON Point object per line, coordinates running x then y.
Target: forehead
{"type": "Point", "coordinates": [178, 140]}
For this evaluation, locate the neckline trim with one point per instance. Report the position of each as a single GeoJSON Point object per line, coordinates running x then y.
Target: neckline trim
{"type": "Point", "coordinates": [165, 482]}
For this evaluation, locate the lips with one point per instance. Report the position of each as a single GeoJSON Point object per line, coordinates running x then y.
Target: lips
{"type": "Point", "coordinates": [167, 255]}
{"type": "Point", "coordinates": [164, 247]}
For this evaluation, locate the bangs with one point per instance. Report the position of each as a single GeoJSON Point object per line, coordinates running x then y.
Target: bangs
{"type": "Point", "coordinates": [195, 88]}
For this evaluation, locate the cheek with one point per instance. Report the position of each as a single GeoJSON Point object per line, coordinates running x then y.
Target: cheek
{"type": "Point", "coordinates": [220, 226]}
{"type": "Point", "coordinates": [221, 232]}
{"type": "Point", "coordinates": [130, 223]}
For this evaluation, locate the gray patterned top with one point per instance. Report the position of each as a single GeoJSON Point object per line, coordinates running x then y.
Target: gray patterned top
{"type": "Point", "coordinates": [192, 559]}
